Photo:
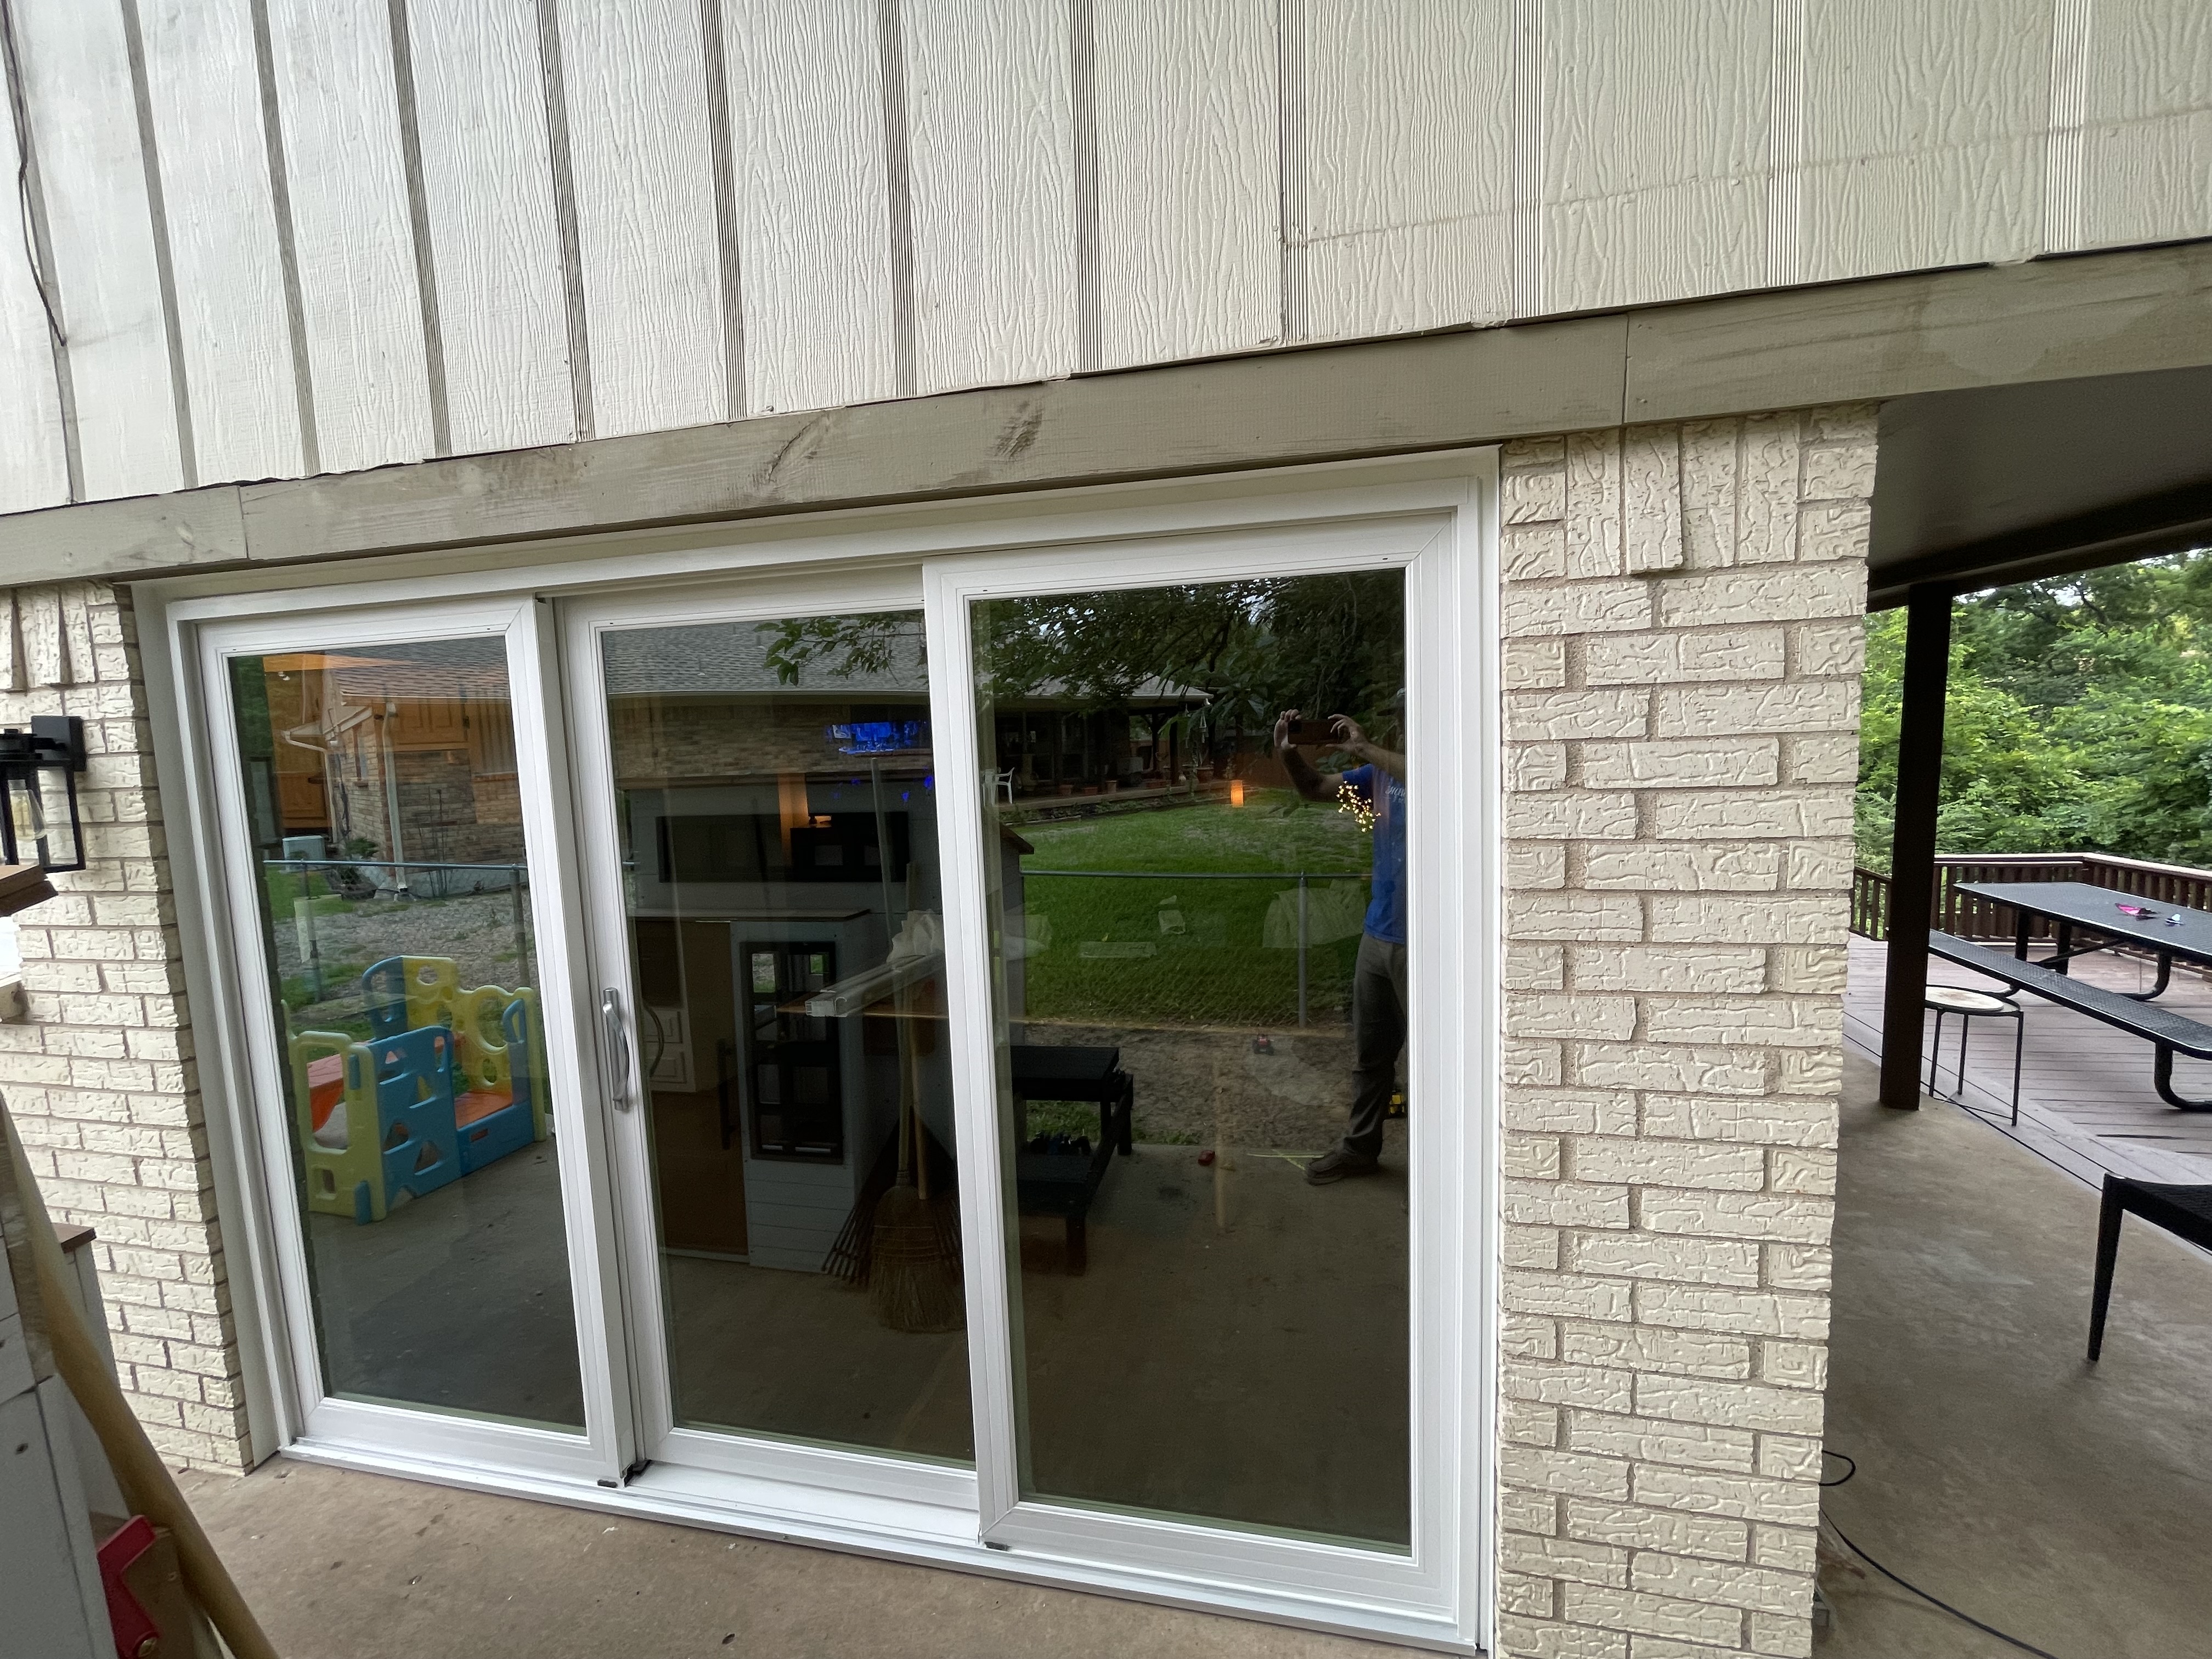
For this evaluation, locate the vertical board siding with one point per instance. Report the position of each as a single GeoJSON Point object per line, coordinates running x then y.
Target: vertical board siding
{"type": "Point", "coordinates": [988, 101]}
{"type": "Point", "coordinates": [1924, 132]}
{"type": "Point", "coordinates": [1190, 202]}
{"type": "Point", "coordinates": [806, 132]}
{"type": "Point", "coordinates": [1654, 148]}
{"type": "Point", "coordinates": [2147, 166]}
{"type": "Point", "coordinates": [1408, 166]}
{"type": "Point", "coordinates": [34, 457]}
{"type": "Point", "coordinates": [1086, 185]}
{"type": "Point", "coordinates": [636, 82]}
{"type": "Point", "coordinates": [340, 111]}
{"type": "Point", "coordinates": [76, 76]}
{"type": "Point", "coordinates": [487, 184]}
{"type": "Point", "coordinates": [206, 97]}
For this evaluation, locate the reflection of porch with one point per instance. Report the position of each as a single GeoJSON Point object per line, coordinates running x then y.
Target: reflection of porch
{"type": "Point", "coordinates": [2086, 1100]}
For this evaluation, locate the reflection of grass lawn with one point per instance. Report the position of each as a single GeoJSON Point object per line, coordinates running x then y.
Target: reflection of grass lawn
{"type": "Point", "coordinates": [1191, 952]}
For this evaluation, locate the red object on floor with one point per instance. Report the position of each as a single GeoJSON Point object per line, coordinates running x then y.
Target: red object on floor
{"type": "Point", "coordinates": [137, 1635]}
{"type": "Point", "coordinates": [1205, 1157]}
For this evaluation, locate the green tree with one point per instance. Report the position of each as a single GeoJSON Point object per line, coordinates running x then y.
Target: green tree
{"type": "Point", "coordinates": [2078, 718]}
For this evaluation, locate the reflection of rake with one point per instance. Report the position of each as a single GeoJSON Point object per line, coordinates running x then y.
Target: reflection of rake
{"type": "Point", "coordinates": [852, 1254]}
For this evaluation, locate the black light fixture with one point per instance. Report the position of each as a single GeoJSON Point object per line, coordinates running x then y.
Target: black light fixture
{"type": "Point", "coordinates": [39, 822]}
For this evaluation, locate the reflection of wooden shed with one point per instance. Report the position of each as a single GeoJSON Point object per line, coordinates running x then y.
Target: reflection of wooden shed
{"type": "Point", "coordinates": [360, 743]}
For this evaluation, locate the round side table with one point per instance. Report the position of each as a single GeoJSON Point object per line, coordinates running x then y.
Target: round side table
{"type": "Point", "coordinates": [1970, 1006]}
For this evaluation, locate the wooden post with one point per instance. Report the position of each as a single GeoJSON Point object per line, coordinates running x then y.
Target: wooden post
{"type": "Point", "coordinates": [1912, 849]}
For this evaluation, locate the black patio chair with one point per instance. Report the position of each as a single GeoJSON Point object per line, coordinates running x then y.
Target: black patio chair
{"type": "Point", "coordinates": [2184, 1211]}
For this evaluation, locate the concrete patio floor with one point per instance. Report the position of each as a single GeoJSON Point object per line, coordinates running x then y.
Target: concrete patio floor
{"type": "Point", "coordinates": [2067, 1503]}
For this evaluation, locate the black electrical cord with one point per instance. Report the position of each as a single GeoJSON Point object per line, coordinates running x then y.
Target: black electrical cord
{"type": "Point", "coordinates": [1933, 1600]}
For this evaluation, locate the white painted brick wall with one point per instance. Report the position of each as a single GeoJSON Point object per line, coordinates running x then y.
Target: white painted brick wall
{"type": "Point", "coordinates": [1681, 669]}
{"type": "Point", "coordinates": [99, 1078]}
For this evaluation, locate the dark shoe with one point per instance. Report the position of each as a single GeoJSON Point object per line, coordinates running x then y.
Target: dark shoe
{"type": "Point", "coordinates": [1340, 1165]}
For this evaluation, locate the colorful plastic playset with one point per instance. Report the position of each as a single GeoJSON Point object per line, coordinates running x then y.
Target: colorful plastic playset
{"type": "Point", "coordinates": [449, 1081]}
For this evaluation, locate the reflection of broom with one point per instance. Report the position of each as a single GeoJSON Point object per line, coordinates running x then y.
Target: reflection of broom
{"type": "Point", "coordinates": [913, 1270]}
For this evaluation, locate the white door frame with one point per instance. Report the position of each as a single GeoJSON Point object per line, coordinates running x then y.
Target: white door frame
{"type": "Point", "coordinates": [1443, 1594]}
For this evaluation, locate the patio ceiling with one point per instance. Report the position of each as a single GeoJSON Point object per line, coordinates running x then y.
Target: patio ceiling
{"type": "Point", "coordinates": [2004, 484]}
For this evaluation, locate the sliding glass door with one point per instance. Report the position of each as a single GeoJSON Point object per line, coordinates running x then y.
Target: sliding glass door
{"type": "Point", "coordinates": [1191, 873]}
{"type": "Point", "coordinates": [760, 789]}
{"type": "Point", "coordinates": [974, 1052]}
{"type": "Point", "coordinates": [383, 786]}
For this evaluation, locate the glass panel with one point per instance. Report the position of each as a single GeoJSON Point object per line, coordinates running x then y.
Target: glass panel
{"type": "Point", "coordinates": [1199, 926]}
{"type": "Point", "coordinates": [776, 796]}
{"type": "Point", "coordinates": [394, 896]}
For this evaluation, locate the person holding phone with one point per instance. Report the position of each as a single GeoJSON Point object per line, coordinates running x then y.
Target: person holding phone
{"type": "Point", "coordinates": [1378, 977]}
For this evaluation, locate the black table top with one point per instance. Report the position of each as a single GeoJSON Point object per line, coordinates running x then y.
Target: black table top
{"type": "Point", "coordinates": [2189, 934]}
{"type": "Point", "coordinates": [1041, 1071]}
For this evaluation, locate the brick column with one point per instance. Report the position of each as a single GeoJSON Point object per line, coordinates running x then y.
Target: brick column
{"type": "Point", "coordinates": [1683, 617]}
{"type": "Point", "coordinates": [99, 1079]}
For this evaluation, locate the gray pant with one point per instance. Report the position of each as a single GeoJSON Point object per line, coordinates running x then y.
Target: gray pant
{"type": "Point", "coordinates": [1378, 1036]}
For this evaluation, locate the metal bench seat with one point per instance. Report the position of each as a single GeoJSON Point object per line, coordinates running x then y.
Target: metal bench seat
{"type": "Point", "coordinates": [2168, 1033]}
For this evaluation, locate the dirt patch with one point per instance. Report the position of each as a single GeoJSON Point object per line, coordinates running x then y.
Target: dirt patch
{"type": "Point", "coordinates": [1220, 1088]}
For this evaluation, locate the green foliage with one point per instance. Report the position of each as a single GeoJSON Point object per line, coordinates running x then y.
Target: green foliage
{"type": "Point", "coordinates": [2079, 718]}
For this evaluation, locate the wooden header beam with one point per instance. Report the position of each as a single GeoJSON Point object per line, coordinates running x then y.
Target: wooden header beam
{"type": "Point", "coordinates": [2121, 313]}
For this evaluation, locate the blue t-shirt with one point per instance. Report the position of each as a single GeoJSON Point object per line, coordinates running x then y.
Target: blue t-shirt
{"type": "Point", "coordinates": [1386, 903]}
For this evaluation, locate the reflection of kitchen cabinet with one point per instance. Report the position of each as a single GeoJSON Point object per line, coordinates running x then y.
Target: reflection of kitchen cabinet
{"type": "Point", "coordinates": [792, 1061]}
{"type": "Point", "coordinates": [817, 1106]}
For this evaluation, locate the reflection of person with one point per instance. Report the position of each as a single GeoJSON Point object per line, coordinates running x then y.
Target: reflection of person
{"type": "Point", "coordinates": [1378, 978]}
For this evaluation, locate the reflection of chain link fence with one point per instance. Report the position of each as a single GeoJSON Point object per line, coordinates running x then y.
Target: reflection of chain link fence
{"type": "Point", "coordinates": [1258, 948]}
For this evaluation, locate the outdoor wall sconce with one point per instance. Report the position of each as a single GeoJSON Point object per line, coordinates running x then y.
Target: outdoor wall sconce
{"type": "Point", "coordinates": [39, 822]}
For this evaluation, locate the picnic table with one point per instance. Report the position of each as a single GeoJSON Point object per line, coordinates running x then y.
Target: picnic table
{"type": "Point", "coordinates": [2170, 931]}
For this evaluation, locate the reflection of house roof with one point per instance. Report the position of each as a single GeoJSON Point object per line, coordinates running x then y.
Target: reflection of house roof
{"type": "Point", "coordinates": [731, 659]}
{"type": "Point", "coordinates": [474, 668]}
{"type": "Point", "coordinates": [412, 681]}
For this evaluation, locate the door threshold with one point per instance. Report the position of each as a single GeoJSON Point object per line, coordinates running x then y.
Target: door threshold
{"type": "Point", "coordinates": [915, 1534]}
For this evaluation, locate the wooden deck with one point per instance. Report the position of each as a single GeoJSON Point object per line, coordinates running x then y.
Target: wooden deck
{"type": "Point", "coordinates": [2086, 1099]}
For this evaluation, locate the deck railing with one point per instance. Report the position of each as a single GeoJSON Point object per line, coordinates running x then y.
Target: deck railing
{"type": "Point", "coordinates": [1974, 918]}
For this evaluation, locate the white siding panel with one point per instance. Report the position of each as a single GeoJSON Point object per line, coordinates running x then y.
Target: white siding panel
{"type": "Point", "coordinates": [340, 106]}
{"type": "Point", "coordinates": [77, 83]}
{"type": "Point", "coordinates": [206, 99]}
{"type": "Point", "coordinates": [33, 463]}
{"type": "Point", "coordinates": [1923, 134]}
{"type": "Point", "coordinates": [2147, 162]}
{"type": "Point", "coordinates": [1654, 148]}
{"type": "Point", "coordinates": [496, 244]}
{"type": "Point", "coordinates": [994, 170]}
{"type": "Point", "coordinates": [1189, 210]}
{"type": "Point", "coordinates": [635, 76]}
{"type": "Point", "coordinates": [1409, 165]}
{"type": "Point", "coordinates": [806, 127]}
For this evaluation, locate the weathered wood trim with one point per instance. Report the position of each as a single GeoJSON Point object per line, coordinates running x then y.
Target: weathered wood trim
{"type": "Point", "coordinates": [2095, 314]}
{"type": "Point", "coordinates": [2053, 320]}
{"type": "Point", "coordinates": [1375, 399]}
{"type": "Point", "coordinates": [135, 535]}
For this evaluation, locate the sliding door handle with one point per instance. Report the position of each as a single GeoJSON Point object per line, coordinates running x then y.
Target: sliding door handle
{"type": "Point", "coordinates": [618, 1063]}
